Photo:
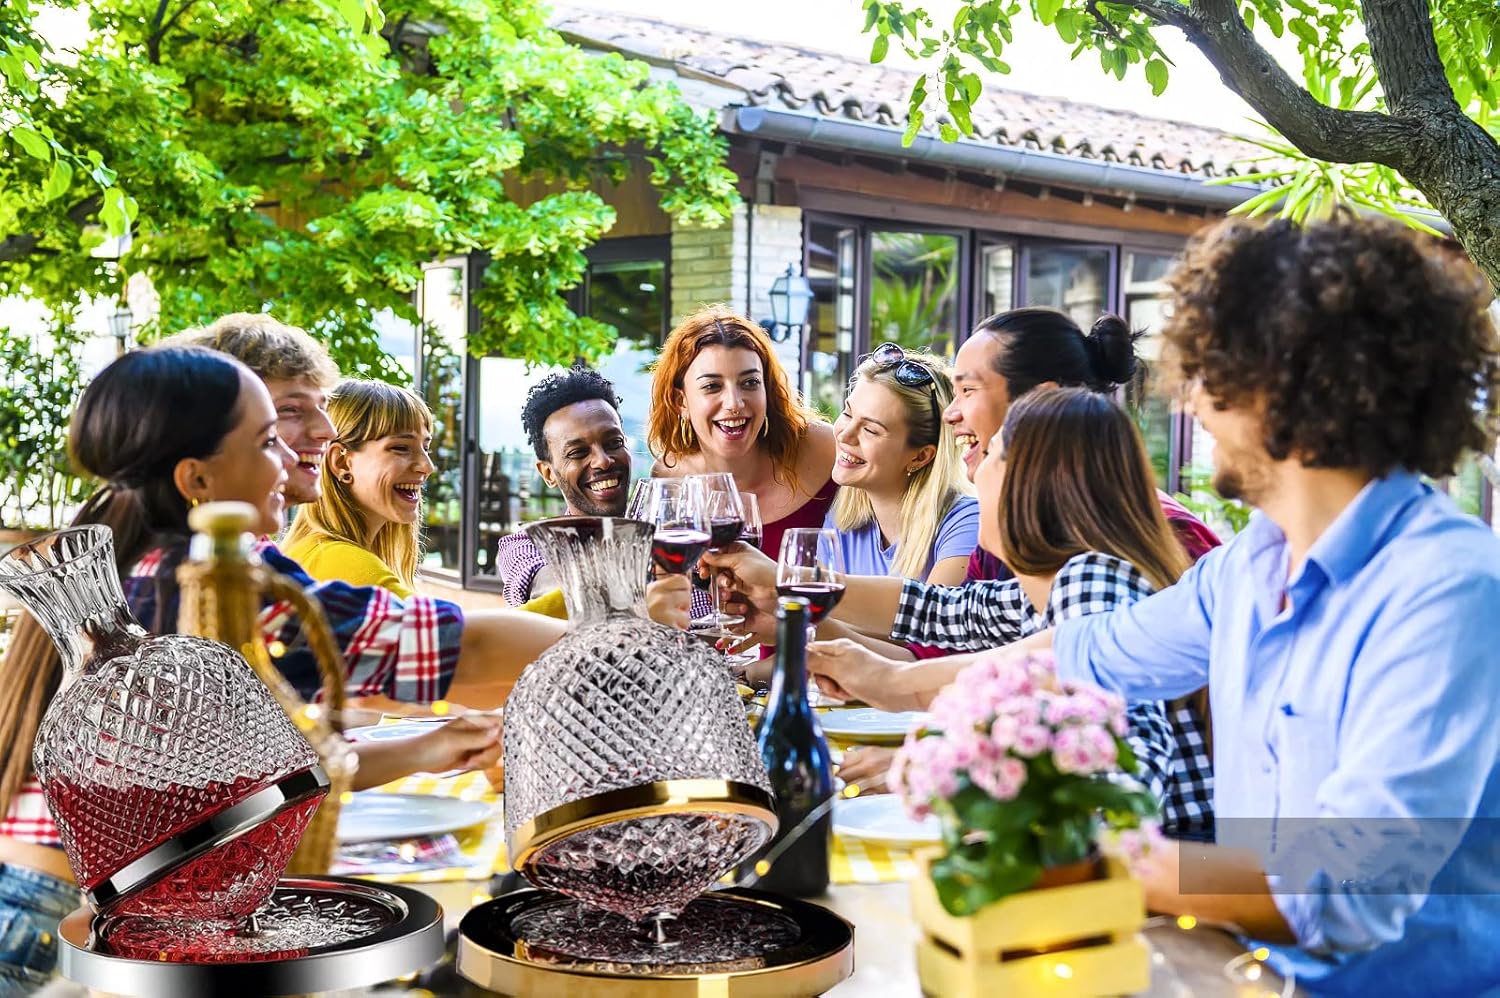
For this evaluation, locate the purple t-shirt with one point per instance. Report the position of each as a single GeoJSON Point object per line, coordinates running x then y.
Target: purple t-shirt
{"type": "Point", "coordinates": [957, 537]}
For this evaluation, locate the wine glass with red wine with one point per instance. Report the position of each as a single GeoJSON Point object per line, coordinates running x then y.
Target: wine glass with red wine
{"type": "Point", "coordinates": [677, 509]}
{"type": "Point", "coordinates": [726, 521]}
{"type": "Point", "coordinates": [753, 529]}
{"type": "Point", "coordinates": [812, 566]}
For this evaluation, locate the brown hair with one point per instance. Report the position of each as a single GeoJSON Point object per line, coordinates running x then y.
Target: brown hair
{"type": "Point", "coordinates": [269, 347]}
{"type": "Point", "coordinates": [1077, 479]}
{"type": "Point", "coordinates": [787, 416]}
{"type": "Point", "coordinates": [1364, 344]}
{"type": "Point", "coordinates": [140, 416]}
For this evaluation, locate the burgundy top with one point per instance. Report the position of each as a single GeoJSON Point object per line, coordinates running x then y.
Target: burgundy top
{"type": "Point", "coordinates": [810, 514]}
{"type": "Point", "coordinates": [1194, 536]}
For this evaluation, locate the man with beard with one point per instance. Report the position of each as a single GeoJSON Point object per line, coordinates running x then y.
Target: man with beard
{"type": "Point", "coordinates": [1348, 633]}
{"type": "Point", "coordinates": [572, 419]}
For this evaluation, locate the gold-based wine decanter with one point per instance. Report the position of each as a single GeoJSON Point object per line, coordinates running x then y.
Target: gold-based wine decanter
{"type": "Point", "coordinates": [181, 788]}
{"type": "Point", "coordinates": [633, 786]}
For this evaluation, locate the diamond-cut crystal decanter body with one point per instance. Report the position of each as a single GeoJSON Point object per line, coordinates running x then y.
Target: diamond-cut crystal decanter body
{"type": "Point", "coordinates": [632, 780]}
{"type": "Point", "coordinates": [178, 784]}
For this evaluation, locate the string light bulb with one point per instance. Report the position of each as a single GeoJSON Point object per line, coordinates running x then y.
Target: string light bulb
{"type": "Point", "coordinates": [440, 708]}
{"type": "Point", "coordinates": [1261, 953]}
{"type": "Point", "coordinates": [1063, 970]}
{"type": "Point", "coordinates": [276, 649]}
{"type": "Point", "coordinates": [1186, 922]}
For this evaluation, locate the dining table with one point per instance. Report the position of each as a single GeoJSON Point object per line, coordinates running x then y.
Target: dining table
{"type": "Point", "coordinates": [869, 890]}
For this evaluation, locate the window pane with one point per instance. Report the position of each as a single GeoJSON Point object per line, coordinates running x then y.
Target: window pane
{"type": "Point", "coordinates": [1467, 486]}
{"type": "Point", "coordinates": [630, 295]}
{"type": "Point", "coordinates": [440, 301]}
{"type": "Point", "coordinates": [997, 278]}
{"type": "Point", "coordinates": [831, 267]}
{"type": "Point", "coordinates": [1152, 408]}
{"type": "Point", "coordinates": [1074, 279]}
{"type": "Point", "coordinates": [914, 290]}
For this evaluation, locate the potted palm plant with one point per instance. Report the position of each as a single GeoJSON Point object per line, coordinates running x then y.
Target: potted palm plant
{"type": "Point", "coordinates": [1030, 780]}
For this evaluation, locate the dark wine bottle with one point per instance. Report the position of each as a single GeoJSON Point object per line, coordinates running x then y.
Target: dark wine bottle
{"type": "Point", "coordinates": [796, 757]}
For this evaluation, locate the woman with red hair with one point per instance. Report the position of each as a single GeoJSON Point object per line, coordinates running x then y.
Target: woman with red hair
{"type": "Point", "coordinates": [721, 401]}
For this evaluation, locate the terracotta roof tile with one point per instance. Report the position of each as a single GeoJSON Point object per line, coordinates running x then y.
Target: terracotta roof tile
{"type": "Point", "coordinates": [786, 76]}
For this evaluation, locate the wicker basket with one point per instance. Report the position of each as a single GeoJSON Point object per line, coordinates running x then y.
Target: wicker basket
{"type": "Point", "coordinates": [1074, 940]}
{"type": "Point", "coordinates": [223, 586]}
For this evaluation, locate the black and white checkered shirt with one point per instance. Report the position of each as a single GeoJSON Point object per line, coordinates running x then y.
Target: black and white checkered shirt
{"type": "Point", "coordinates": [1170, 746]}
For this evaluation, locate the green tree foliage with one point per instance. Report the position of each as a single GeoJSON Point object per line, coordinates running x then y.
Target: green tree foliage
{"type": "Point", "coordinates": [1397, 105]}
{"type": "Point", "coordinates": [291, 156]}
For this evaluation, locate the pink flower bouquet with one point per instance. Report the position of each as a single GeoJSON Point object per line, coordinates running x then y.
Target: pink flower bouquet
{"type": "Point", "coordinates": [1024, 774]}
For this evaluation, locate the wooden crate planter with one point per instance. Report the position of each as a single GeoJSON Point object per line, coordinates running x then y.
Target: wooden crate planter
{"type": "Point", "coordinates": [1077, 940]}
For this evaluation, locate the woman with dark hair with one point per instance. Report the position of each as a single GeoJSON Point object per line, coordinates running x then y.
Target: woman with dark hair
{"type": "Point", "coordinates": [721, 401]}
{"type": "Point", "coordinates": [1013, 352]}
{"type": "Point", "coordinates": [166, 429]}
{"type": "Point", "coordinates": [1066, 497]}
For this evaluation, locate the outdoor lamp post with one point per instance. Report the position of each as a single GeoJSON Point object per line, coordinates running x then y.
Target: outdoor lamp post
{"type": "Point", "coordinates": [791, 296]}
{"type": "Point", "coordinates": [120, 321]}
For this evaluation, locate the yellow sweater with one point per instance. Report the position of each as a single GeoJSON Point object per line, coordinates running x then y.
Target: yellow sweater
{"type": "Point", "coordinates": [329, 560]}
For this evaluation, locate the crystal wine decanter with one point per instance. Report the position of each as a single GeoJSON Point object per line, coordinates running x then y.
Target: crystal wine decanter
{"type": "Point", "coordinates": [632, 780]}
{"type": "Point", "coordinates": [178, 784]}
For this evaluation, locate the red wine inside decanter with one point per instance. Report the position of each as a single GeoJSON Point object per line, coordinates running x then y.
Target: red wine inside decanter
{"type": "Point", "coordinates": [104, 829]}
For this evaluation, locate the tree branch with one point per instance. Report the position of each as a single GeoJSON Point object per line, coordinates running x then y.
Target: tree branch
{"type": "Point", "coordinates": [153, 40]}
{"type": "Point", "coordinates": [1406, 57]}
{"type": "Point", "coordinates": [1219, 31]}
{"type": "Point", "coordinates": [19, 247]}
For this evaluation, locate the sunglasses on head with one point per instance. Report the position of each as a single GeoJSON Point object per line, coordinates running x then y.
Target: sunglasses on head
{"type": "Point", "coordinates": [910, 374]}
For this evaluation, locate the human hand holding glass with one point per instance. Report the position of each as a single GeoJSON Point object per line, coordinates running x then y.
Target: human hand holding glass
{"type": "Point", "coordinates": [726, 522]}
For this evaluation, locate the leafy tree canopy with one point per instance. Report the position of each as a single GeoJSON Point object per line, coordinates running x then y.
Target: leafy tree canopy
{"type": "Point", "coordinates": [290, 155]}
{"type": "Point", "coordinates": [1398, 104]}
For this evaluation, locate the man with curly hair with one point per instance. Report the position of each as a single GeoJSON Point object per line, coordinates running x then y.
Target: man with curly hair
{"type": "Point", "coordinates": [572, 420]}
{"type": "Point", "coordinates": [1349, 634]}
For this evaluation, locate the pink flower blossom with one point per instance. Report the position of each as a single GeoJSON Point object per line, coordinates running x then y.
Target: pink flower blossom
{"type": "Point", "coordinates": [1032, 740]}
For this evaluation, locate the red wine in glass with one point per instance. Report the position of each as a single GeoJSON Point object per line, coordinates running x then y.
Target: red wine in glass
{"type": "Point", "coordinates": [721, 533]}
{"type": "Point", "coordinates": [751, 536]}
{"type": "Point", "coordinates": [821, 597]}
{"type": "Point", "coordinates": [676, 550]}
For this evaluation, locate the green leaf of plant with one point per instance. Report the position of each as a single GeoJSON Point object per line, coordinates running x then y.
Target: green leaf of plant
{"type": "Point", "coordinates": [913, 126]}
{"type": "Point", "coordinates": [58, 180]}
{"type": "Point", "coordinates": [972, 86]}
{"type": "Point", "coordinates": [880, 48]}
{"type": "Point", "coordinates": [1156, 75]}
{"type": "Point", "coordinates": [31, 140]}
{"type": "Point", "coordinates": [947, 132]}
{"type": "Point", "coordinates": [1046, 10]}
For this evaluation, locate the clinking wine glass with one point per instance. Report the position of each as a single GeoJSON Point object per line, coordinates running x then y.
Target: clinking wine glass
{"type": "Point", "coordinates": [676, 508]}
{"type": "Point", "coordinates": [726, 521]}
{"type": "Point", "coordinates": [811, 565]}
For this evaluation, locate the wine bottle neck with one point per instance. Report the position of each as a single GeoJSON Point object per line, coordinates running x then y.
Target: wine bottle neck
{"type": "Point", "coordinates": [789, 682]}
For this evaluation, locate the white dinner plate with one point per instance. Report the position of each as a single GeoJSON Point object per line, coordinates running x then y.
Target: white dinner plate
{"type": "Point", "coordinates": [399, 731]}
{"type": "Point", "coordinates": [373, 816]}
{"type": "Point", "coordinates": [866, 724]}
{"type": "Point", "coordinates": [880, 818]}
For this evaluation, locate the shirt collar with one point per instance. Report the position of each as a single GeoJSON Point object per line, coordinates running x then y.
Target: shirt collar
{"type": "Point", "coordinates": [1352, 539]}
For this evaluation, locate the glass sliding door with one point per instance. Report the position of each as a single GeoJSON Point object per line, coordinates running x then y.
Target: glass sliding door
{"type": "Point", "coordinates": [1153, 409]}
{"type": "Point", "coordinates": [914, 290]}
{"type": "Point", "coordinates": [996, 281]}
{"type": "Point", "coordinates": [442, 303]}
{"type": "Point", "coordinates": [831, 268]}
{"type": "Point", "coordinates": [1078, 280]}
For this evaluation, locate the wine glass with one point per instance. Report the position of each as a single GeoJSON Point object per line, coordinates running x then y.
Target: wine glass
{"type": "Point", "coordinates": [676, 507]}
{"type": "Point", "coordinates": [637, 507]}
{"type": "Point", "coordinates": [811, 566]}
{"type": "Point", "coordinates": [753, 529]}
{"type": "Point", "coordinates": [726, 520]}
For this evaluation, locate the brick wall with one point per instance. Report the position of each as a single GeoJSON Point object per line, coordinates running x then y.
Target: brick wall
{"type": "Point", "coordinates": [709, 265]}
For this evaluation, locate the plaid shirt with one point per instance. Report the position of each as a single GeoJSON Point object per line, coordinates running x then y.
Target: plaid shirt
{"type": "Point", "coordinates": [403, 649]}
{"type": "Point", "coordinates": [987, 614]}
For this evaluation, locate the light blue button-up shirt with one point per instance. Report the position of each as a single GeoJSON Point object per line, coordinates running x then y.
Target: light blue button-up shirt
{"type": "Point", "coordinates": [1356, 730]}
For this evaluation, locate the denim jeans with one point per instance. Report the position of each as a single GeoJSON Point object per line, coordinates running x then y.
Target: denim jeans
{"type": "Point", "coordinates": [31, 905]}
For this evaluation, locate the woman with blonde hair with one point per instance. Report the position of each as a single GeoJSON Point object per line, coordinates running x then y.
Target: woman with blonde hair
{"type": "Point", "coordinates": [363, 528]}
{"type": "Point", "coordinates": [722, 402]}
{"type": "Point", "coordinates": [904, 506]}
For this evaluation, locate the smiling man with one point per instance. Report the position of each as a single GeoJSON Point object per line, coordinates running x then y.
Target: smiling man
{"type": "Point", "coordinates": [298, 373]}
{"type": "Point", "coordinates": [572, 419]}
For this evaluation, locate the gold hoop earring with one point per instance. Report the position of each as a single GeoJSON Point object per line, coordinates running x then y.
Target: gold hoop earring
{"type": "Point", "coordinates": [684, 435]}
{"type": "Point", "coordinates": [347, 478]}
{"type": "Point", "coordinates": [765, 428]}
{"type": "Point", "coordinates": [193, 503]}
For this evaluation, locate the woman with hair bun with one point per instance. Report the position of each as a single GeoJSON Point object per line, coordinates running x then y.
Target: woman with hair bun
{"type": "Point", "coordinates": [1015, 351]}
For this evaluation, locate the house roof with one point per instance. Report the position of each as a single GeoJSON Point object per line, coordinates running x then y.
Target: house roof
{"type": "Point", "coordinates": [785, 77]}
